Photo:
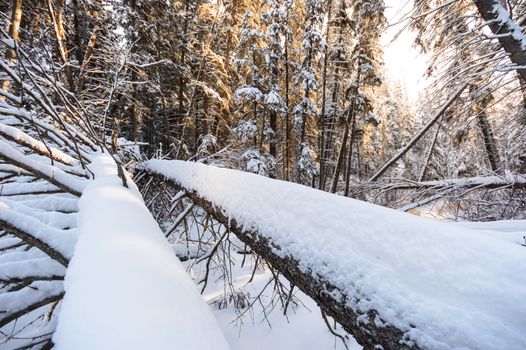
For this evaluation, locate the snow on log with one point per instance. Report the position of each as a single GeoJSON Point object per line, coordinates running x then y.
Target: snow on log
{"type": "Point", "coordinates": [389, 278]}
{"type": "Point", "coordinates": [61, 221]}
{"type": "Point", "coordinates": [28, 188]}
{"type": "Point", "coordinates": [125, 288]}
{"type": "Point", "coordinates": [54, 203]}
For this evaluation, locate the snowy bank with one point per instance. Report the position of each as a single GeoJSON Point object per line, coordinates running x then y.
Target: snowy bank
{"type": "Point", "coordinates": [125, 289]}
{"type": "Point", "coordinates": [445, 286]}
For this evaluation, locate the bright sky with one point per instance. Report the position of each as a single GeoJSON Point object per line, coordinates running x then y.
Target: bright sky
{"type": "Point", "coordinates": [403, 62]}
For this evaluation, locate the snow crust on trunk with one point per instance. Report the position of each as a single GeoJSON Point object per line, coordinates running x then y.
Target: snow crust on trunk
{"type": "Point", "coordinates": [504, 18]}
{"type": "Point", "coordinates": [125, 288]}
{"type": "Point", "coordinates": [447, 286]}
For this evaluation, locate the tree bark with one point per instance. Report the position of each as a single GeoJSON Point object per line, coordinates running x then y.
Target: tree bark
{"type": "Point", "coordinates": [349, 156]}
{"type": "Point", "coordinates": [506, 30]}
{"type": "Point", "coordinates": [60, 36]}
{"type": "Point", "coordinates": [428, 155]}
{"type": "Point", "coordinates": [490, 144]}
{"type": "Point", "coordinates": [286, 169]}
{"type": "Point", "coordinates": [349, 129]}
{"type": "Point", "coordinates": [16, 19]}
{"type": "Point", "coordinates": [323, 98]}
{"type": "Point", "coordinates": [341, 156]}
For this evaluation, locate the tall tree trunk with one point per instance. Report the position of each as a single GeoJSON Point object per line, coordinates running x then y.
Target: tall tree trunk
{"type": "Point", "coordinates": [287, 113]}
{"type": "Point", "coordinates": [522, 85]}
{"type": "Point", "coordinates": [166, 139]}
{"type": "Point", "coordinates": [133, 109]}
{"type": "Point", "coordinates": [341, 154]}
{"type": "Point", "coordinates": [255, 114]}
{"type": "Point", "coordinates": [206, 113]}
{"type": "Point", "coordinates": [78, 28]}
{"type": "Point", "coordinates": [303, 127]}
{"type": "Point", "coordinates": [352, 132]}
{"type": "Point", "coordinates": [330, 128]}
{"type": "Point", "coordinates": [273, 123]}
{"type": "Point", "coordinates": [490, 144]}
{"type": "Point", "coordinates": [323, 97]}
{"type": "Point", "coordinates": [273, 117]}
{"type": "Point", "coordinates": [182, 82]}
{"type": "Point", "coordinates": [197, 122]}
{"type": "Point", "coordinates": [60, 36]}
{"type": "Point", "coordinates": [347, 137]}
{"type": "Point", "coordinates": [428, 155]}
{"type": "Point", "coordinates": [349, 152]}
{"type": "Point", "coordinates": [506, 30]}
{"type": "Point", "coordinates": [16, 19]}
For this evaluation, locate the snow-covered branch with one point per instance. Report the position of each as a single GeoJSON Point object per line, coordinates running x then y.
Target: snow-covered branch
{"type": "Point", "coordinates": [510, 180]}
{"type": "Point", "coordinates": [55, 243]}
{"type": "Point", "coordinates": [52, 174]}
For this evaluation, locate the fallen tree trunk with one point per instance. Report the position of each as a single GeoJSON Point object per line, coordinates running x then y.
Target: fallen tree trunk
{"type": "Point", "coordinates": [371, 268]}
{"type": "Point", "coordinates": [512, 181]}
{"type": "Point", "coordinates": [367, 328]}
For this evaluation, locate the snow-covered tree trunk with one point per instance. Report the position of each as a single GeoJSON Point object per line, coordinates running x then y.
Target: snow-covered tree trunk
{"type": "Point", "coordinates": [369, 333]}
{"type": "Point", "coordinates": [509, 34]}
{"type": "Point", "coordinates": [364, 265]}
{"type": "Point", "coordinates": [490, 144]}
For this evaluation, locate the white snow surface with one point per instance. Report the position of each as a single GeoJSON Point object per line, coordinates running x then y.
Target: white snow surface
{"type": "Point", "coordinates": [503, 16]}
{"type": "Point", "coordinates": [260, 329]}
{"type": "Point", "coordinates": [446, 285]}
{"type": "Point", "coordinates": [125, 289]}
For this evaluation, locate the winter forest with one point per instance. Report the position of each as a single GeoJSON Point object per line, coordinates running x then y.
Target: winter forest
{"type": "Point", "coordinates": [263, 174]}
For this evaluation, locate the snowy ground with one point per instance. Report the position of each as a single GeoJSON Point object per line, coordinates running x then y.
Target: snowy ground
{"type": "Point", "coordinates": [264, 326]}
{"type": "Point", "coordinates": [446, 285]}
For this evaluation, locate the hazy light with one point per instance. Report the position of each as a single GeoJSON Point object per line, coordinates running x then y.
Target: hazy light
{"type": "Point", "coordinates": [403, 62]}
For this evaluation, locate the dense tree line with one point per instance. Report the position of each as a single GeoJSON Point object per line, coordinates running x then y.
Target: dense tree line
{"type": "Point", "coordinates": [279, 83]}
{"type": "Point", "coordinates": [295, 90]}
